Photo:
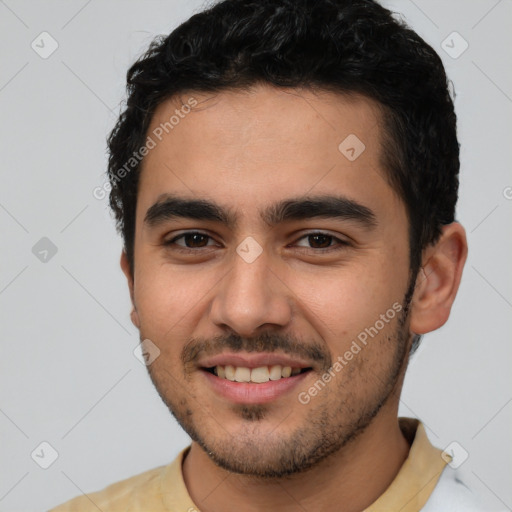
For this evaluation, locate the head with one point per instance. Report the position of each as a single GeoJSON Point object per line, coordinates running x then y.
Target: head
{"type": "Point", "coordinates": [288, 199]}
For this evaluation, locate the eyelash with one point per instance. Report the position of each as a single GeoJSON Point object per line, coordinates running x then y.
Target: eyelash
{"type": "Point", "coordinates": [342, 244]}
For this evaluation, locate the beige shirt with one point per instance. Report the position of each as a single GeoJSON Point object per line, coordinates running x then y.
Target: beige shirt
{"type": "Point", "coordinates": [163, 489]}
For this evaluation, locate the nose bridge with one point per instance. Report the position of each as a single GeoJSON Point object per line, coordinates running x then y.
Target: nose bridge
{"type": "Point", "coordinates": [250, 296]}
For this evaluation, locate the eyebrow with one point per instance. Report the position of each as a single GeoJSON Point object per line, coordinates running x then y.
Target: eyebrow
{"type": "Point", "coordinates": [169, 207]}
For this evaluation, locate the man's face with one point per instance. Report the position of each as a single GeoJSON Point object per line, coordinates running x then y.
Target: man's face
{"type": "Point", "coordinates": [267, 281]}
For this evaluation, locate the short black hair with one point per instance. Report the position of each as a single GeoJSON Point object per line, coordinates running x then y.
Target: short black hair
{"type": "Point", "coordinates": [345, 46]}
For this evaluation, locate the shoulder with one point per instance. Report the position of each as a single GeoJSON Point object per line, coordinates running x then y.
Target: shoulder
{"type": "Point", "coordinates": [118, 496]}
{"type": "Point", "coordinates": [451, 494]}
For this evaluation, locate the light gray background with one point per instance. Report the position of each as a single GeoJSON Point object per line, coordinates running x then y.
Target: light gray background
{"type": "Point", "coordinates": [69, 375]}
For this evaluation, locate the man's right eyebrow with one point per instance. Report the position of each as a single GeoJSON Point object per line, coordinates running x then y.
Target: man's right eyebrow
{"type": "Point", "coordinates": [170, 207]}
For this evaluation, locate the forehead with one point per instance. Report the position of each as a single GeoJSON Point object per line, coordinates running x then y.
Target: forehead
{"type": "Point", "coordinates": [248, 148]}
{"type": "Point", "coordinates": [292, 118]}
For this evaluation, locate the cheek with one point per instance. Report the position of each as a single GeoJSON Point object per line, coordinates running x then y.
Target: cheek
{"type": "Point", "coordinates": [163, 297]}
{"type": "Point", "coordinates": [172, 300]}
{"type": "Point", "coordinates": [342, 303]}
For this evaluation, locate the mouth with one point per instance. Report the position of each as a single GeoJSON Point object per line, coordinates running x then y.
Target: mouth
{"type": "Point", "coordinates": [258, 375]}
{"type": "Point", "coordinates": [253, 378]}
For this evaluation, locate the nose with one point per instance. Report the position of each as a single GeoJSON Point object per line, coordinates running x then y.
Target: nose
{"type": "Point", "coordinates": [251, 298]}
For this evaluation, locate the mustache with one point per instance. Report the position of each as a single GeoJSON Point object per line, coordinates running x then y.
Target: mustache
{"type": "Point", "coordinates": [266, 342]}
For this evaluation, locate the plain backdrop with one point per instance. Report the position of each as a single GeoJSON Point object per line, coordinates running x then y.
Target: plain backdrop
{"type": "Point", "coordinates": [69, 376]}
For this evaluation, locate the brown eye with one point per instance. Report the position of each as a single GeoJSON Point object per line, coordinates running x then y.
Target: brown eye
{"type": "Point", "coordinates": [320, 241]}
{"type": "Point", "coordinates": [190, 240]}
{"type": "Point", "coordinates": [195, 240]}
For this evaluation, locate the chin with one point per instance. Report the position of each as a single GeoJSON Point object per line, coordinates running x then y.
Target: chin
{"type": "Point", "coordinates": [254, 445]}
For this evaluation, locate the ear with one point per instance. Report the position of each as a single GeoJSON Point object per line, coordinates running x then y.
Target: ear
{"type": "Point", "coordinates": [125, 267]}
{"type": "Point", "coordinates": [438, 280]}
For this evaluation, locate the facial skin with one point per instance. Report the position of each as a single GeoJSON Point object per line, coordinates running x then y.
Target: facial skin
{"type": "Point", "coordinates": [303, 297]}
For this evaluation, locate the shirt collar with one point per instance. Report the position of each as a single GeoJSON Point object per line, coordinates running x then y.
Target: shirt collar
{"type": "Point", "coordinates": [418, 476]}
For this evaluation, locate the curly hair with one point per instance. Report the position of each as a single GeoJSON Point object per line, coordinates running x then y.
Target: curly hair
{"type": "Point", "coordinates": [345, 46]}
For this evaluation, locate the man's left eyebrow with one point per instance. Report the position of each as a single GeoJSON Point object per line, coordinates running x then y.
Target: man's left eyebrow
{"type": "Point", "coordinates": [326, 207]}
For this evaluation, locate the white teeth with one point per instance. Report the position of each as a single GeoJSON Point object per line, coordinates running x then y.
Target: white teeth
{"type": "Point", "coordinates": [230, 372]}
{"type": "Point", "coordinates": [242, 374]}
{"type": "Point", "coordinates": [275, 372]}
{"type": "Point", "coordinates": [258, 375]}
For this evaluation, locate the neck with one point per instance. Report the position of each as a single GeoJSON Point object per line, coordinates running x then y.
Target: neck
{"type": "Point", "coordinates": [349, 480]}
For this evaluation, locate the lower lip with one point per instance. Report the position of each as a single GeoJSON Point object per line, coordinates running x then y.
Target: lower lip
{"type": "Point", "coordinates": [252, 393]}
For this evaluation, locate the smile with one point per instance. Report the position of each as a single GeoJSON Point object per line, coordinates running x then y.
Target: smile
{"type": "Point", "coordinates": [258, 375]}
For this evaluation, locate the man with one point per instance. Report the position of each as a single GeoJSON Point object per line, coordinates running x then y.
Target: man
{"type": "Point", "coordinates": [285, 178]}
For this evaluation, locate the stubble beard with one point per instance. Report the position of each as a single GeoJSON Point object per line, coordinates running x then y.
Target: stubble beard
{"type": "Point", "coordinates": [329, 426]}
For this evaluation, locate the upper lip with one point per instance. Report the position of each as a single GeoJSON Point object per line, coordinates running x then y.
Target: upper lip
{"type": "Point", "coordinates": [253, 360]}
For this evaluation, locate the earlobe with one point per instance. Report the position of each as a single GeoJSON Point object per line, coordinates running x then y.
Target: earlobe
{"type": "Point", "coordinates": [134, 316]}
{"type": "Point", "coordinates": [125, 267]}
{"type": "Point", "coordinates": [438, 280]}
